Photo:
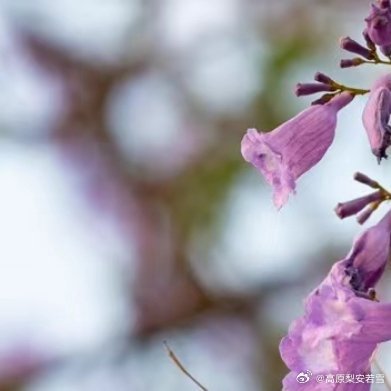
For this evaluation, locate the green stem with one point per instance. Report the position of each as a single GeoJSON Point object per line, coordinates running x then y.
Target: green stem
{"type": "Point", "coordinates": [377, 61]}
{"type": "Point", "coordinates": [355, 91]}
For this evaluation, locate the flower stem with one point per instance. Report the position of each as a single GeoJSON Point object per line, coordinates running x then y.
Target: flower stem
{"type": "Point", "coordinates": [177, 362]}
{"type": "Point", "coordinates": [354, 91]}
{"type": "Point", "coordinates": [377, 60]}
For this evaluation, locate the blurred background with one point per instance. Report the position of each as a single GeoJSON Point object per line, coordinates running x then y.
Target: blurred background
{"type": "Point", "coordinates": [127, 215]}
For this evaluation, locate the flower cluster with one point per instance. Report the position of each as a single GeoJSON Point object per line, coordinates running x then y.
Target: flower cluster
{"type": "Point", "coordinates": [285, 153]}
{"type": "Point", "coordinates": [343, 320]}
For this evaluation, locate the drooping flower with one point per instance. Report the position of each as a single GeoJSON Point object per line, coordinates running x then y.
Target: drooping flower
{"type": "Point", "coordinates": [290, 150]}
{"type": "Point", "coordinates": [343, 321]}
{"type": "Point", "coordinates": [379, 26]}
{"type": "Point", "coordinates": [376, 116]}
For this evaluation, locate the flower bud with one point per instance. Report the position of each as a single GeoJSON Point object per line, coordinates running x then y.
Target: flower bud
{"type": "Point", "coordinates": [371, 46]}
{"type": "Point", "coordinates": [311, 88]}
{"type": "Point", "coordinates": [364, 216]}
{"type": "Point", "coordinates": [365, 180]}
{"type": "Point", "coordinates": [352, 46]}
{"type": "Point", "coordinates": [353, 62]}
{"type": "Point", "coordinates": [323, 99]}
{"type": "Point", "coordinates": [352, 207]}
{"type": "Point", "coordinates": [322, 78]}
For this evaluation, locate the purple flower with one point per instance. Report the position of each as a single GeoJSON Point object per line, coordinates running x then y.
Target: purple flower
{"type": "Point", "coordinates": [376, 116]}
{"type": "Point", "coordinates": [379, 26]}
{"type": "Point", "coordinates": [343, 322]}
{"type": "Point", "coordinates": [290, 150]}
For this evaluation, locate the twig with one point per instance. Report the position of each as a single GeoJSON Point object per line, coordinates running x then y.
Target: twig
{"type": "Point", "coordinates": [174, 358]}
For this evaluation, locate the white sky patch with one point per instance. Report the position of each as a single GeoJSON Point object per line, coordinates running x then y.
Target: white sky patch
{"type": "Point", "coordinates": [225, 75]}
{"type": "Point", "coordinates": [56, 292]}
{"type": "Point", "coordinates": [185, 23]}
{"type": "Point", "coordinates": [147, 119]}
{"type": "Point", "coordinates": [257, 244]}
{"type": "Point", "coordinates": [94, 29]}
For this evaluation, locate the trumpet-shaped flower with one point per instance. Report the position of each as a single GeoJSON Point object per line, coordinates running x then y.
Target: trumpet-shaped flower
{"type": "Point", "coordinates": [343, 321]}
{"type": "Point", "coordinates": [294, 147]}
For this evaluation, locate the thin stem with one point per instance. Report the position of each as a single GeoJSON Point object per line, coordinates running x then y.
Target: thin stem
{"type": "Point", "coordinates": [376, 61]}
{"type": "Point", "coordinates": [355, 91]}
{"type": "Point", "coordinates": [177, 362]}
{"type": "Point", "coordinates": [385, 193]}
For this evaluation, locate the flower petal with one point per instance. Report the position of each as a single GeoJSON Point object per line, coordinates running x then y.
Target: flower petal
{"type": "Point", "coordinates": [294, 147]}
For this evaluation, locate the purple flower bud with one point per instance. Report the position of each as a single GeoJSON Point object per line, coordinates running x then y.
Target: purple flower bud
{"type": "Point", "coordinates": [364, 216]}
{"type": "Point", "coordinates": [368, 40]}
{"type": "Point", "coordinates": [352, 46]}
{"type": "Point", "coordinates": [311, 88]}
{"type": "Point", "coordinates": [342, 325]}
{"type": "Point", "coordinates": [352, 62]}
{"type": "Point", "coordinates": [376, 116]}
{"type": "Point", "coordinates": [350, 208]}
{"type": "Point", "coordinates": [322, 78]}
{"type": "Point", "coordinates": [379, 25]}
{"type": "Point", "coordinates": [365, 180]}
{"type": "Point", "coordinates": [323, 99]}
{"type": "Point", "coordinates": [384, 3]}
{"type": "Point", "coordinates": [290, 150]}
